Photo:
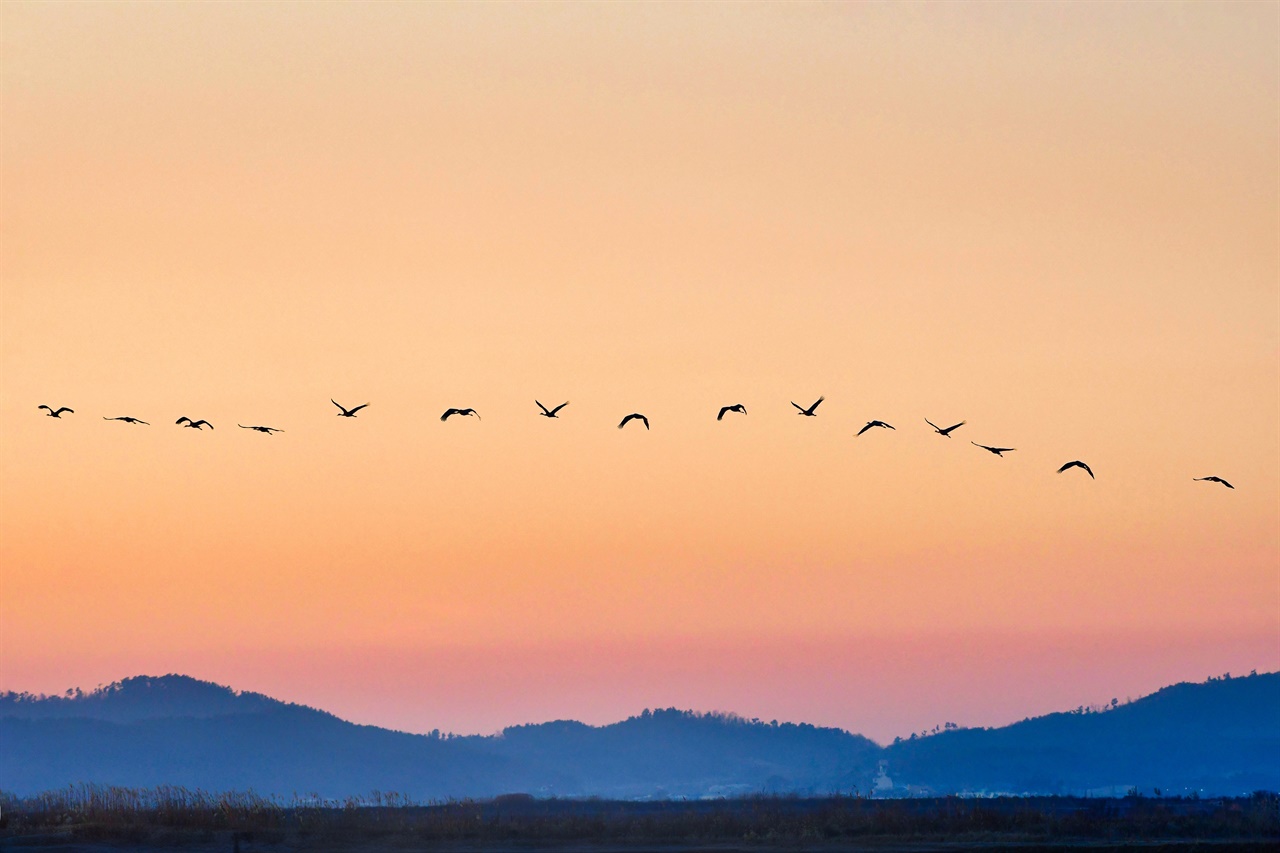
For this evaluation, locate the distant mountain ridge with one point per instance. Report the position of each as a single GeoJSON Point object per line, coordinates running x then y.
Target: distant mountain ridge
{"type": "Point", "coordinates": [1222, 736]}
{"type": "Point", "coordinates": [142, 697]}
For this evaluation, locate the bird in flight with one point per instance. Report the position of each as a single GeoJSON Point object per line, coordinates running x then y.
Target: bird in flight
{"type": "Point", "coordinates": [550, 413]}
{"type": "Point", "coordinates": [345, 412]}
{"type": "Point", "coordinates": [1215, 480]}
{"type": "Point", "coordinates": [1077, 464]}
{"type": "Point", "coordinates": [267, 430]}
{"type": "Point", "coordinates": [193, 424]}
{"type": "Point", "coordinates": [56, 413]}
{"type": "Point", "coordinates": [871, 424]}
{"type": "Point", "coordinates": [464, 412]}
{"type": "Point", "coordinates": [946, 433]}
{"type": "Point", "coordinates": [128, 420]}
{"type": "Point", "coordinates": [737, 407]}
{"type": "Point", "coordinates": [808, 413]}
{"type": "Point", "coordinates": [634, 416]}
{"type": "Point", "coordinates": [998, 451]}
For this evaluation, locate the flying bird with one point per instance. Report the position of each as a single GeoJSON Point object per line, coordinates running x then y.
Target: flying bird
{"type": "Point", "coordinates": [946, 433]}
{"type": "Point", "coordinates": [1215, 480]}
{"type": "Point", "coordinates": [56, 413]}
{"type": "Point", "coordinates": [193, 424]}
{"type": "Point", "coordinates": [1077, 464]}
{"type": "Point", "coordinates": [128, 420]}
{"type": "Point", "coordinates": [267, 430]}
{"type": "Point", "coordinates": [633, 416]}
{"type": "Point", "coordinates": [998, 451]}
{"type": "Point", "coordinates": [808, 413]}
{"type": "Point", "coordinates": [463, 412]}
{"type": "Point", "coordinates": [871, 424]}
{"type": "Point", "coordinates": [550, 413]}
{"type": "Point", "coordinates": [737, 407]}
{"type": "Point", "coordinates": [345, 412]}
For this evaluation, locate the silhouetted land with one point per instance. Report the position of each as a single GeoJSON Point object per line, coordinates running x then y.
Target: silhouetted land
{"type": "Point", "coordinates": [97, 818]}
{"type": "Point", "coordinates": [1220, 738]}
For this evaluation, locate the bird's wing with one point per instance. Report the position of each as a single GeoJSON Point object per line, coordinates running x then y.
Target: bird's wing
{"type": "Point", "coordinates": [797, 405]}
{"type": "Point", "coordinates": [43, 406]}
{"type": "Point", "coordinates": [65, 409]}
{"type": "Point", "coordinates": [865, 428]}
{"type": "Point", "coordinates": [1089, 470]}
{"type": "Point", "coordinates": [447, 413]}
{"type": "Point", "coordinates": [646, 421]}
{"type": "Point", "coordinates": [932, 424]}
{"type": "Point", "coordinates": [953, 426]}
{"type": "Point", "coordinates": [559, 407]}
{"type": "Point", "coordinates": [144, 423]}
{"type": "Point", "coordinates": [545, 410]}
{"type": "Point", "coordinates": [336, 403]}
{"type": "Point", "coordinates": [720, 416]}
{"type": "Point", "coordinates": [242, 426]}
{"type": "Point", "coordinates": [358, 408]}
{"type": "Point", "coordinates": [206, 423]}
{"type": "Point", "coordinates": [889, 426]}
{"type": "Point", "coordinates": [1068, 465]}
{"type": "Point", "coordinates": [816, 402]}
{"type": "Point", "coordinates": [112, 419]}
{"type": "Point", "coordinates": [183, 418]}
{"type": "Point", "coordinates": [1225, 483]}
{"type": "Point", "coordinates": [623, 422]}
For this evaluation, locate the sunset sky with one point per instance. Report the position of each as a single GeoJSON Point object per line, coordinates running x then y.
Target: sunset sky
{"type": "Point", "coordinates": [1057, 222]}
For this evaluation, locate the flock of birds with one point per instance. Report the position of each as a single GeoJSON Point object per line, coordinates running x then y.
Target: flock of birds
{"type": "Point", "coordinates": [738, 408]}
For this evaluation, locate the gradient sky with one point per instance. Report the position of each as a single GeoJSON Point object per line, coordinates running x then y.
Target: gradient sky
{"type": "Point", "coordinates": [1058, 222]}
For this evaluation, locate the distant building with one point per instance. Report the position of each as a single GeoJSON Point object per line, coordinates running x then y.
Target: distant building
{"type": "Point", "coordinates": [883, 783]}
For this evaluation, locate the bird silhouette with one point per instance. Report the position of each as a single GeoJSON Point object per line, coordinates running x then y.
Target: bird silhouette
{"type": "Point", "coordinates": [1077, 464]}
{"type": "Point", "coordinates": [464, 412]}
{"type": "Point", "coordinates": [633, 416]}
{"type": "Point", "coordinates": [193, 424]}
{"type": "Point", "coordinates": [550, 413]}
{"type": "Point", "coordinates": [998, 451]}
{"type": "Point", "coordinates": [267, 430]}
{"type": "Point", "coordinates": [56, 413]}
{"type": "Point", "coordinates": [128, 420]}
{"type": "Point", "coordinates": [945, 433]}
{"type": "Point", "coordinates": [871, 424]}
{"type": "Point", "coordinates": [1215, 480]}
{"type": "Point", "coordinates": [345, 412]}
{"type": "Point", "coordinates": [737, 407]}
{"type": "Point", "coordinates": [809, 412]}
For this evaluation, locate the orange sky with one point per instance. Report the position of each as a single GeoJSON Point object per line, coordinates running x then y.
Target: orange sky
{"type": "Point", "coordinates": [1056, 222]}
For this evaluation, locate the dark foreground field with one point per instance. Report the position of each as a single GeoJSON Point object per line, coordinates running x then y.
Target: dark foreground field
{"type": "Point", "coordinates": [97, 819]}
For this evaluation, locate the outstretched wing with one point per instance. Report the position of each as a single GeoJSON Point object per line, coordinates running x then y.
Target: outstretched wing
{"type": "Point", "coordinates": [545, 410]}
{"type": "Point", "coordinates": [816, 402]}
{"type": "Point", "coordinates": [646, 421]}
{"type": "Point", "coordinates": [202, 421]}
{"type": "Point", "coordinates": [724, 409]}
{"type": "Point", "coordinates": [43, 406]}
{"type": "Point", "coordinates": [336, 403]}
{"type": "Point", "coordinates": [797, 405]}
{"type": "Point", "coordinates": [357, 408]}
{"type": "Point", "coordinates": [932, 424]}
{"type": "Point", "coordinates": [183, 418]}
{"type": "Point", "coordinates": [865, 428]}
{"type": "Point", "coordinates": [559, 407]}
{"type": "Point", "coordinates": [447, 413]}
{"type": "Point", "coordinates": [953, 426]}
{"type": "Point", "coordinates": [64, 409]}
